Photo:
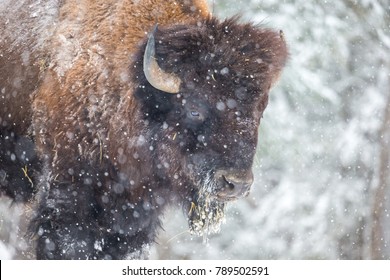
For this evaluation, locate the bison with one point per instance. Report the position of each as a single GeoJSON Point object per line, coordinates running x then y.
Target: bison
{"type": "Point", "coordinates": [110, 110]}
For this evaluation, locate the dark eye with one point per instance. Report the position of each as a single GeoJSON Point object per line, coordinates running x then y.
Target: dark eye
{"type": "Point", "coordinates": [195, 117]}
{"type": "Point", "coordinates": [195, 114]}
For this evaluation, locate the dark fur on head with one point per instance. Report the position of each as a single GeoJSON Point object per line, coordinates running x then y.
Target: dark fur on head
{"type": "Point", "coordinates": [227, 69]}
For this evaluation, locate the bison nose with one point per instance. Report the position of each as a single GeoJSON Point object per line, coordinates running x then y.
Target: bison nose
{"type": "Point", "coordinates": [233, 186]}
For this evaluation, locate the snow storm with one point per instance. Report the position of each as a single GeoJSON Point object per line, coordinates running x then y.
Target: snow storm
{"type": "Point", "coordinates": [321, 170]}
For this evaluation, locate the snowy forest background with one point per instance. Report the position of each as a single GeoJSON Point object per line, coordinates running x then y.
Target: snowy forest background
{"type": "Point", "coordinates": [322, 170]}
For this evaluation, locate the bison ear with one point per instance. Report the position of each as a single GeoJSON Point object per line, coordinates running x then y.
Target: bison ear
{"type": "Point", "coordinates": [158, 78]}
{"type": "Point", "coordinates": [280, 56]}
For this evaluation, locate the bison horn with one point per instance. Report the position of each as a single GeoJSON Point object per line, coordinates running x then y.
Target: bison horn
{"type": "Point", "coordinates": [154, 74]}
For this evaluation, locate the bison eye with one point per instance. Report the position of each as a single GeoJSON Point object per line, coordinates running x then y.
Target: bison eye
{"type": "Point", "coordinates": [195, 114]}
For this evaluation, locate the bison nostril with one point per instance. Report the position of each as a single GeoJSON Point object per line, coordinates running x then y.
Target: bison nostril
{"type": "Point", "coordinates": [233, 184]}
{"type": "Point", "coordinates": [230, 185]}
{"type": "Point", "coordinates": [234, 187]}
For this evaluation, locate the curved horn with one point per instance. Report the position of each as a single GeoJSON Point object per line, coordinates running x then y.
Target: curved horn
{"type": "Point", "coordinates": [154, 74]}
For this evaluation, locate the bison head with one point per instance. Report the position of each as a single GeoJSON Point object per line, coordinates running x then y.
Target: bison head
{"type": "Point", "coordinates": [203, 89]}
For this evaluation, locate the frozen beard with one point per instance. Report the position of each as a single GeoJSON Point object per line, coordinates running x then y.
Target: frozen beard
{"type": "Point", "coordinates": [206, 213]}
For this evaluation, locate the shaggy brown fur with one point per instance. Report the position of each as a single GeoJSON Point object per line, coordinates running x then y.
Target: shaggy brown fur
{"type": "Point", "coordinates": [111, 151]}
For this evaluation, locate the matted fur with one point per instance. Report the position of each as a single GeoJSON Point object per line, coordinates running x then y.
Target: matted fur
{"type": "Point", "coordinates": [111, 152]}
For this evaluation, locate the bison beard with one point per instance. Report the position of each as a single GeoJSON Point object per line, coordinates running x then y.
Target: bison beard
{"type": "Point", "coordinates": [206, 214]}
{"type": "Point", "coordinates": [128, 124]}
